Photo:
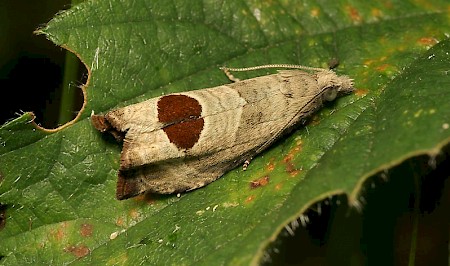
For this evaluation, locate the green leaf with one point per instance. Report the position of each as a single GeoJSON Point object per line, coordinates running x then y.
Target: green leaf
{"type": "Point", "coordinates": [58, 186]}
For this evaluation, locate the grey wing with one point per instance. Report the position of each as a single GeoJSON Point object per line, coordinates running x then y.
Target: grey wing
{"type": "Point", "coordinates": [176, 176]}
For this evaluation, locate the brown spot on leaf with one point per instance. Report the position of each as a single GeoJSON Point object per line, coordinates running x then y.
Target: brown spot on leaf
{"type": "Point", "coordinates": [271, 166]}
{"type": "Point", "coordinates": [149, 198]}
{"type": "Point", "coordinates": [249, 198]}
{"type": "Point", "coordinates": [427, 41]}
{"type": "Point", "coordinates": [368, 62]}
{"type": "Point", "coordinates": [382, 67]}
{"type": "Point", "coordinates": [2, 216]}
{"type": "Point", "coordinates": [86, 230]}
{"type": "Point", "coordinates": [376, 12]}
{"type": "Point", "coordinates": [288, 157]}
{"type": "Point", "coordinates": [260, 182]}
{"type": "Point", "coordinates": [278, 186]}
{"type": "Point", "coordinates": [291, 169]}
{"type": "Point", "coordinates": [354, 14]}
{"type": "Point", "coordinates": [182, 116]}
{"type": "Point", "coordinates": [134, 214]}
{"type": "Point", "coordinates": [79, 251]}
{"type": "Point", "coordinates": [314, 120]}
{"type": "Point", "coordinates": [293, 152]}
{"type": "Point", "coordinates": [298, 146]}
{"type": "Point", "coordinates": [59, 233]}
{"type": "Point", "coordinates": [119, 221]}
{"type": "Point", "coordinates": [360, 92]}
{"type": "Point", "coordinates": [315, 12]}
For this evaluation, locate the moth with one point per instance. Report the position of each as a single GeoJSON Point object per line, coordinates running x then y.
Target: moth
{"type": "Point", "coordinates": [183, 141]}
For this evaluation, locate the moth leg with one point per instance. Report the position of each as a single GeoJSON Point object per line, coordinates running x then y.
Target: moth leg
{"type": "Point", "coordinates": [246, 164]}
{"type": "Point", "coordinates": [229, 75]}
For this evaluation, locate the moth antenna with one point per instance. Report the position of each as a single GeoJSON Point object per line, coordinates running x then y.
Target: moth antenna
{"type": "Point", "coordinates": [229, 75]}
{"type": "Point", "coordinates": [228, 69]}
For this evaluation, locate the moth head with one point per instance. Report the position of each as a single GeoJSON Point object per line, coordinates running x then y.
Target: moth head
{"type": "Point", "coordinates": [333, 85]}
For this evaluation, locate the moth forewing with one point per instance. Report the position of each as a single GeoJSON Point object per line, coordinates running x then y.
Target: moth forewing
{"type": "Point", "coordinates": [183, 141]}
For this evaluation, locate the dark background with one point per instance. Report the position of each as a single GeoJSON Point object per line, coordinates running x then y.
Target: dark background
{"type": "Point", "coordinates": [31, 67]}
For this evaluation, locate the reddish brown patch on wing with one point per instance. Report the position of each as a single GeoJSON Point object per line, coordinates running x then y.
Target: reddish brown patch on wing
{"type": "Point", "coordinates": [260, 182]}
{"type": "Point", "coordinates": [176, 108]}
{"type": "Point", "coordinates": [182, 114]}
{"type": "Point", "coordinates": [86, 230]}
{"type": "Point", "coordinates": [79, 251]}
{"type": "Point", "coordinates": [185, 134]}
